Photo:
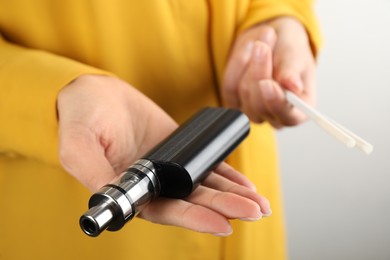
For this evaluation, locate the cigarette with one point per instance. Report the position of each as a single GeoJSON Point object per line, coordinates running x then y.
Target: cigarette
{"type": "Point", "coordinates": [341, 133]}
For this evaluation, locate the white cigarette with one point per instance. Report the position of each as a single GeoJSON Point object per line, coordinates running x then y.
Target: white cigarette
{"type": "Point", "coordinates": [360, 142]}
{"type": "Point", "coordinates": [338, 131]}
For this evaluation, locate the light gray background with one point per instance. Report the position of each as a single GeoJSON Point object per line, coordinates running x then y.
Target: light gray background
{"type": "Point", "coordinates": [337, 200]}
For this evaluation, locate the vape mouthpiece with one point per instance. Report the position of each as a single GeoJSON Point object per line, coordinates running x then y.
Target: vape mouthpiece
{"type": "Point", "coordinates": [172, 169]}
{"type": "Point", "coordinates": [96, 219]}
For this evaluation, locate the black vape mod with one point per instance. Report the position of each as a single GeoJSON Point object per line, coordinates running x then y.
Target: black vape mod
{"type": "Point", "coordinates": [172, 169]}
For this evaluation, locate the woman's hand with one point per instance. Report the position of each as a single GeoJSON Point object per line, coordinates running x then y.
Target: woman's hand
{"type": "Point", "coordinates": [105, 125]}
{"type": "Point", "coordinates": [265, 60]}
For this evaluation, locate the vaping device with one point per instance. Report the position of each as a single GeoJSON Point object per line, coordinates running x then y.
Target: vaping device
{"type": "Point", "coordinates": [171, 169]}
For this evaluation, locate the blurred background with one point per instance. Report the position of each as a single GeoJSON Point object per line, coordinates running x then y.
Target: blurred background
{"type": "Point", "coordinates": [337, 200]}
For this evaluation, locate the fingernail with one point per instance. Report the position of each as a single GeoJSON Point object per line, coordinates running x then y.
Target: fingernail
{"type": "Point", "coordinates": [252, 219]}
{"type": "Point", "coordinates": [259, 51]}
{"type": "Point", "coordinates": [248, 51]}
{"type": "Point", "coordinates": [267, 89]}
{"type": "Point", "coordinates": [224, 234]}
{"type": "Point", "coordinates": [297, 83]}
{"type": "Point", "coordinates": [269, 213]}
{"type": "Point", "coordinates": [253, 187]}
{"type": "Point", "coordinates": [268, 36]}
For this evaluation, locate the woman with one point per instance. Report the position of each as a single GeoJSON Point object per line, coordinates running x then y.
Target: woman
{"type": "Point", "coordinates": [97, 84]}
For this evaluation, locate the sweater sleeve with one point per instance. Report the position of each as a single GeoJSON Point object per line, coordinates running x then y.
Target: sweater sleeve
{"type": "Point", "coordinates": [303, 10]}
{"type": "Point", "coordinates": [29, 83]}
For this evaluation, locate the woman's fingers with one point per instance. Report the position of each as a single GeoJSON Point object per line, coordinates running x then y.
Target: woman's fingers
{"type": "Point", "coordinates": [185, 214]}
{"type": "Point", "coordinates": [240, 57]}
{"type": "Point", "coordinates": [259, 68]}
{"type": "Point", "coordinates": [210, 206]}
{"type": "Point", "coordinates": [228, 204]}
{"type": "Point", "coordinates": [208, 210]}
{"type": "Point", "coordinates": [266, 60]}
{"type": "Point", "coordinates": [233, 175]}
{"type": "Point", "coordinates": [217, 182]}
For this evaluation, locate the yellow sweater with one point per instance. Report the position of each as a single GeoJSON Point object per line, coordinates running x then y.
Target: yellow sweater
{"type": "Point", "coordinates": [174, 51]}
